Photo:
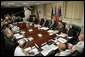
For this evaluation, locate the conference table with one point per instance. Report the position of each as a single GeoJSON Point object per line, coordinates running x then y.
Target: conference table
{"type": "Point", "coordinates": [36, 39]}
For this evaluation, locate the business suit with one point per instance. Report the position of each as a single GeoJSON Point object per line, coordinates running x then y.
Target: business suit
{"type": "Point", "coordinates": [69, 32]}
{"type": "Point", "coordinates": [53, 25]}
{"type": "Point", "coordinates": [35, 21]}
{"type": "Point", "coordinates": [10, 46]}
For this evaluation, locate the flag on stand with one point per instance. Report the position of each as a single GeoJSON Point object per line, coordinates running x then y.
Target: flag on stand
{"type": "Point", "coordinates": [58, 15]}
{"type": "Point", "coordinates": [52, 14]}
{"type": "Point", "coordinates": [55, 13]}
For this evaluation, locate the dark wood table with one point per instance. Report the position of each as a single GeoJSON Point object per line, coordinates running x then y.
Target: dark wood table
{"type": "Point", "coordinates": [38, 40]}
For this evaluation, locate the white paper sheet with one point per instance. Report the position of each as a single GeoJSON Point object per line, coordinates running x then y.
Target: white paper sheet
{"type": "Point", "coordinates": [30, 38]}
{"type": "Point", "coordinates": [47, 49]}
{"type": "Point", "coordinates": [44, 28]}
{"type": "Point", "coordinates": [50, 31]}
{"type": "Point", "coordinates": [62, 40]}
{"type": "Point", "coordinates": [37, 26]}
{"type": "Point", "coordinates": [18, 37]}
{"type": "Point", "coordinates": [15, 35]}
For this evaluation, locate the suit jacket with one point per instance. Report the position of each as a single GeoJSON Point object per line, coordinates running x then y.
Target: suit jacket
{"type": "Point", "coordinates": [53, 25]}
{"type": "Point", "coordinates": [70, 32]}
{"type": "Point", "coordinates": [10, 46]}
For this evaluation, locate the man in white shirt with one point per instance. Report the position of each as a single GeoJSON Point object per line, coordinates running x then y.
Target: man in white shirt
{"type": "Point", "coordinates": [62, 49]}
{"type": "Point", "coordinates": [19, 51]}
{"type": "Point", "coordinates": [80, 45]}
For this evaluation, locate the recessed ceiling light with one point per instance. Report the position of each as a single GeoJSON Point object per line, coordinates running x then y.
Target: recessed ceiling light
{"type": "Point", "coordinates": [11, 3]}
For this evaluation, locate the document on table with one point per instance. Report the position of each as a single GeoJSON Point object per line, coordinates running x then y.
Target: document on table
{"type": "Point", "coordinates": [62, 40]}
{"type": "Point", "coordinates": [37, 26]}
{"type": "Point", "coordinates": [15, 35]}
{"type": "Point", "coordinates": [18, 37]}
{"type": "Point", "coordinates": [44, 28]}
{"type": "Point", "coordinates": [15, 28]}
{"type": "Point", "coordinates": [30, 38]}
{"type": "Point", "coordinates": [56, 31]}
{"type": "Point", "coordinates": [50, 31]}
{"type": "Point", "coordinates": [63, 35]}
{"type": "Point", "coordinates": [47, 49]}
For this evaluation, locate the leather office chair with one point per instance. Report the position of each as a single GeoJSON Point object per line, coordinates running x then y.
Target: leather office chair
{"type": "Point", "coordinates": [42, 21]}
{"type": "Point", "coordinates": [47, 23]}
{"type": "Point", "coordinates": [77, 30]}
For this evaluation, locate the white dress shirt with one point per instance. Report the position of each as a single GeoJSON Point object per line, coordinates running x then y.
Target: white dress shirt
{"type": "Point", "coordinates": [18, 52]}
{"type": "Point", "coordinates": [79, 46]}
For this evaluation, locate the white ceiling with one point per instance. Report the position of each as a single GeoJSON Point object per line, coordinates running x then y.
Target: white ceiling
{"type": "Point", "coordinates": [23, 3]}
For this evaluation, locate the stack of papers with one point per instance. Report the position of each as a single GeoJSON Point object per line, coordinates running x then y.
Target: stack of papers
{"type": "Point", "coordinates": [47, 49]}
{"type": "Point", "coordinates": [15, 28]}
{"type": "Point", "coordinates": [44, 28]}
{"type": "Point", "coordinates": [62, 40]}
{"type": "Point", "coordinates": [15, 35]}
{"type": "Point", "coordinates": [18, 37]}
{"type": "Point", "coordinates": [30, 38]}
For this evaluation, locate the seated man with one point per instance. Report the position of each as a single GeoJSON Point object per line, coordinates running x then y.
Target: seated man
{"type": "Point", "coordinates": [53, 24]}
{"type": "Point", "coordinates": [62, 49]}
{"type": "Point", "coordinates": [19, 51]}
{"type": "Point", "coordinates": [7, 31]}
{"type": "Point", "coordinates": [80, 45]}
{"type": "Point", "coordinates": [20, 19]}
{"type": "Point", "coordinates": [60, 27]}
{"type": "Point", "coordinates": [68, 30]}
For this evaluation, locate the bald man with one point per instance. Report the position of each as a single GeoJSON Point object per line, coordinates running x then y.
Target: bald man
{"type": "Point", "coordinates": [19, 51]}
{"type": "Point", "coordinates": [80, 45]}
{"type": "Point", "coordinates": [69, 31]}
{"type": "Point", "coordinates": [62, 49]}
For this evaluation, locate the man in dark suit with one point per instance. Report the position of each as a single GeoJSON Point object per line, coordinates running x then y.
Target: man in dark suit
{"type": "Point", "coordinates": [10, 45]}
{"type": "Point", "coordinates": [53, 24]}
{"type": "Point", "coordinates": [69, 31]}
